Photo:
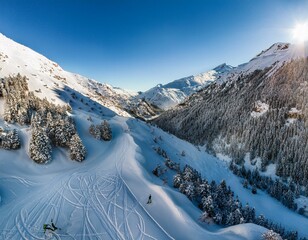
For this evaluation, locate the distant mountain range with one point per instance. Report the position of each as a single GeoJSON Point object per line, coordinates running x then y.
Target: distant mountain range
{"type": "Point", "coordinates": [168, 95]}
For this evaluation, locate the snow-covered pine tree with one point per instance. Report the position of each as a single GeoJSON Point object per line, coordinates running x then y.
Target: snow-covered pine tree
{"type": "Point", "coordinates": [10, 140]}
{"type": "Point", "coordinates": [288, 200]}
{"type": "Point", "coordinates": [77, 149]}
{"type": "Point", "coordinates": [105, 129]}
{"type": "Point", "coordinates": [249, 214]}
{"type": "Point", "coordinates": [177, 180]}
{"type": "Point", "coordinates": [63, 131]}
{"type": "Point", "coordinates": [235, 217]}
{"type": "Point", "coordinates": [271, 235]}
{"type": "Point", "coordinates": [40, 146]}
{"type": "Point", "coordinates": [208, 205]}
{"type": "Point", "coordinates": [95, 131]}
{"type": "Point", "coordinates": [190, 191]}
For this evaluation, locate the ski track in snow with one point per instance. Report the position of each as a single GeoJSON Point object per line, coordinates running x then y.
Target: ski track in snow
{"type": "Point", "coordinates": [99, 202]}
{"type": "Point", "coordinates": [93, 197]}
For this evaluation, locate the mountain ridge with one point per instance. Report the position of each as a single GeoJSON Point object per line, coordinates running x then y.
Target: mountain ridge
{"type": "Point", "coordinates": [170, 94]}
{"type": "Point", "coordinates": [227, 116]}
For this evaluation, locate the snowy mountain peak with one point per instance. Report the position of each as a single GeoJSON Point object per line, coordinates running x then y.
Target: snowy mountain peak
{"type": "Point", "coordinates": [223, 68]}
{"type": "Point", "coordinates": [168, 95]}
{"type": "Point", "coordinates": [274, 57]}
{"type": "Point", "coordinates": [276, 47]}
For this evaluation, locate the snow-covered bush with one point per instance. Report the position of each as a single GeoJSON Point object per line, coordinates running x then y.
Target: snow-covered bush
{"type": "Point", "coordinates": [183, 154]}
{"type": "Point", "coordinates": [172, 165]}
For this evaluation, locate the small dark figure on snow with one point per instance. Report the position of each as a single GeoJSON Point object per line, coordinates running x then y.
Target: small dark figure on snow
{"type": "Point", "coordinates": [51, 227]}
{"type": "Point", "coordinates": [150, 199]}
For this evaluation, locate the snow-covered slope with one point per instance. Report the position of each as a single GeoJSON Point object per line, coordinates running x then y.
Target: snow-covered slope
{"type": "Point", "coordinates": [168, 95]}
{"type": "Point", "coordinates": [262, 113]}
{"type": "Point", "coordinates": [171, 94]}
{"type": "Point", "coordinates": [105, 196]}
{"type": "Point", "coordinates": [194, 83]}
{"type": "Point", "coordinates": [48, 79]}
{"type": "Point", "coordinates": [275, 56]}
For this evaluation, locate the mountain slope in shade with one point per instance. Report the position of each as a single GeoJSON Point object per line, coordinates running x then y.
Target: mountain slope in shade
{"type": "Point", "coordinates": [168, 95]}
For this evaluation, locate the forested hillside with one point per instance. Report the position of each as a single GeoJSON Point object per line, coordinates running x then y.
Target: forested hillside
{"type": "Point", "coordinates": [264, 114]}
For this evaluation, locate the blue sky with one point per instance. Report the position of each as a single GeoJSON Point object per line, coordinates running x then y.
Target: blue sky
{"type": "Point", "coordinates": [136, 44]}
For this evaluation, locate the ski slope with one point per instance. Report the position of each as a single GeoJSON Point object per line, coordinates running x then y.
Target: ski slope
{"type": "Point", "coordinates": [215, 169]}
{"type": "Point", "coordinates": [103, 197]}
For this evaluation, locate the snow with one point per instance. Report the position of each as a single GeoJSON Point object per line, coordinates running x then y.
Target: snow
{"type": "Point", "coordinates": [293, 116]}
{"type": "Point", "coordinates": [275, 56]}
{"type": "Point", "coordinates": [290, 121]}
{"type": "Point", "coordinates": [260, 109]}
{"type": "Point", "coordinates": [302, 202]}
{"type": "Point", "coordinates": [105, 196]}
{"type": "Point", "coordinates": [173, 93]}
{"type": "Point", "coordinates": [48, 79]}
{"type": "Point", "coordinates": [295, 111]}
{"type": "Point", "coordinates": [213, 168]}
{"type": "Point", "coordinates": [252, 164]}
{"type": "Point", "coordinates": [164, 98]}
{"type": "Point", "coordinates": [223, 157]}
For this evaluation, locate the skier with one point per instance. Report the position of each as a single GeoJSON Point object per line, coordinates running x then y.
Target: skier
{"type": "Point", "coordinates": [51, 227]}
{"type": "Point", "coordinates": [150, 199]}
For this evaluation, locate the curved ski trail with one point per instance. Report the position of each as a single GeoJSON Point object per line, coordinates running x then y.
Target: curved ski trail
{"type": "Point", "coordinates": [87, 203]}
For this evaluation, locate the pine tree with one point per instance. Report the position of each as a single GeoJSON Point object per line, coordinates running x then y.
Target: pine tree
{"type": "Point", "coordinates": [190, 191]}
{"type": "Point", "coordinates": [208, 205]}
{"type": "Point", "coordinates": [10, 140]}
{"type": "Point", "coordinates": [271, 235]}
{"type": "Point", "coordinates": [177, 180]}
{"type": "Point", "coordinates": [77, 149]}
{"type": "Point", "coordinates": [288, 200]}
{"type": "Point", "coordinates": [95, 131]}
{"type": "Point", "coordinates": [40, 146]}
{"type": "Point", "coordinates": [105, 129]}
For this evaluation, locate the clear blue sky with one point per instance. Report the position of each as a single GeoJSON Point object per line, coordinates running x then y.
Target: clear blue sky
{"type": "Point", "coordinates": [136, 44]}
